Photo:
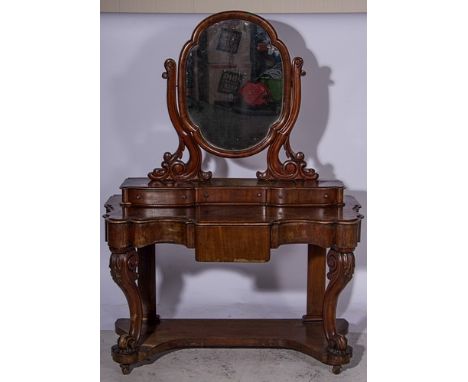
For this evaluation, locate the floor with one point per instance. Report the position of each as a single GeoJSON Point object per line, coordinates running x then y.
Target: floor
{"type": "Point", "coordinates": [243, 365]}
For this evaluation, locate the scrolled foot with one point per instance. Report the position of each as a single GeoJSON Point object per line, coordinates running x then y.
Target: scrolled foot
{"type": "Point", "coordinates": [126, 343]}
{"type": "Point", "coordinates": [336, 369]}
{"type": "Point", "coordinates": [125, 357]}
{"type": "Point", "coordinates": [338, 345]}
{"type": "Point", "coordinates": [125, 369]}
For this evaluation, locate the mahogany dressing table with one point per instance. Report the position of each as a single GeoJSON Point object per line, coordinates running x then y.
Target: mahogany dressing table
{"type": "Point", "coordinates": [235, 93]}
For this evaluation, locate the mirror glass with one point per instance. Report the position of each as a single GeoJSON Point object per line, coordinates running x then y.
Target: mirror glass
{"type": "Point", "coordinates": [234, 84]}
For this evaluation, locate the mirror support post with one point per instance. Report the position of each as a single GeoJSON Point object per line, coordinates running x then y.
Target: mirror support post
{"type": "Point", "coordinates": [294, 168]}
{"type": "Point", "coordinates": [172, 166]}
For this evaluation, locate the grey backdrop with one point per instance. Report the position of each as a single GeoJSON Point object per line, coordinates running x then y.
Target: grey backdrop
{"type": "Point", "coordinates": [136, 131]}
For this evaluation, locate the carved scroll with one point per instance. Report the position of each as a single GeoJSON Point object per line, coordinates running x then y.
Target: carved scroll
{"type": "Point", "coordinates": [172, 166]}
{"type": "Point", "coordinates": [123, 266]}
{"type": "Point", "coordinates": [294, 168]}
{"type": "Point", "coordinates": [341, 268]}
{"type": "Point", "coordinates": [190, 137]}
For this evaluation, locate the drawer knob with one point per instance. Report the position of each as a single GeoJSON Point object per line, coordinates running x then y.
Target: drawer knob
{"type": "Point", "coordinates": [325, 196]}
{"type": "Point", "coordinates": [206, 195]}
{"type": "Point", "coordinates": [184, 197]}
{"type": "Point", "coordinates": [138, 196]}
{"type": "Point", "coordinates": [259, 194]}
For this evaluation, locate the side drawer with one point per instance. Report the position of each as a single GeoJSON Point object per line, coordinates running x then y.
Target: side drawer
{"type": "Point", "coordinates": [214, 195]}
{"type": "Point", "coordinates": [157, 197]}
{"type": "Point", "coordinates": [306, 196]}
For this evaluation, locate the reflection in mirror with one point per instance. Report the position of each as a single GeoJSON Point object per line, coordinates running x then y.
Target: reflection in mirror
{"type": "Point", "coordinates": [234, 85]}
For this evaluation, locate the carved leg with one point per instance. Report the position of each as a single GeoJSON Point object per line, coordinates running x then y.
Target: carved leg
{"type": "Point", "coordinates": [147, 283]}
{"type": "Point", "coordinates": [341, 267]}
{"type": "Point", "coordinates": [315, 283]}
{"type": "Point", "coordinates": [123, 265]}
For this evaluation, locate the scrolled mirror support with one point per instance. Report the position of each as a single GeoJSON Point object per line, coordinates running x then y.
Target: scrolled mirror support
{"type": "Point", "coordinates": [295, 167]}
{"type": "Point", "coordinates": [172, 166]}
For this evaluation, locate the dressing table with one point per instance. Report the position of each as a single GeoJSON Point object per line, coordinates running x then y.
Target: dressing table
{"type": "Point", "coordinates": [234, 93]}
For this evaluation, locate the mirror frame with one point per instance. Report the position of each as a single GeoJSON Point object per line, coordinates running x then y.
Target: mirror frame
{"type": "Point", "coordinates": [174, 168]}
{"type": "Point", "coordinates": [286, 68]}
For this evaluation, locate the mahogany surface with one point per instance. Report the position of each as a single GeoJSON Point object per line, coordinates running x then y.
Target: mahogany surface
{"type": "Point", "coordinates": [231, 191]}
{"type": "Point", "coordinates": [293, 334]}
{"type": "Point", "coordinates": [174, 168]}
{"type": "Point", "coordinates": [227, 233]}
{"type": "Point", "coordinates": [232, 220]}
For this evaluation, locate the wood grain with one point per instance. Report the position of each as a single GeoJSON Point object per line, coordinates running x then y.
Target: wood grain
{"type": "Point", "coordinates": [316, 267]}
{"type": "Point", "coordinates": [232, 243]}
{"type": "Point", "coordinates": [141, 192]}
{"type": "Point", "coordinates": [175, 169]}
{"type": "Point", "coordinates": [170, 334]}
{"type": "Point", "coordinates": [232, 220]}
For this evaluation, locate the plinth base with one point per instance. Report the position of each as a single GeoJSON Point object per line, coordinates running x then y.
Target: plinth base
{"type": "Point", "coordinates": [172, 334]}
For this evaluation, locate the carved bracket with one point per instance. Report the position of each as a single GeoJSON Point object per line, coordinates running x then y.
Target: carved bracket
{"type": "Point", "coordinates": [123, 266]}
{"type": "Point", "coordinates": [341, 268]}
{"type": "Point", "coordinates": [172, 166]}
{"type": "Point", "coordinates": [294, 168]}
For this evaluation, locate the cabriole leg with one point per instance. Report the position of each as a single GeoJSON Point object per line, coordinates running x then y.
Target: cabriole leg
{"type": "Point", "coordinates": [341, 267]}
{"type": "Point", "coordinates": [124, 270]}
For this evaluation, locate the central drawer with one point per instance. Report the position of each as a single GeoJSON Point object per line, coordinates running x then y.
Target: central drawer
{"type": "Point", "coordinates": [232, 243]}
{"type": "Point", "coordinates": [224, 195]}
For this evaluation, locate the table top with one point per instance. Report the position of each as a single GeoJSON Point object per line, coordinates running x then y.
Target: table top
{"type": "Point", "coordinates": [145, 183]}
{"type": "Point", "coordinates": [347, 214]}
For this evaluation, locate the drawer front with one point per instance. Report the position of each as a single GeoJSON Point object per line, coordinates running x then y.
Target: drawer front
{"type": "Point", "coordinates": [158, 197]}
{"type": "Point", "coordinates": [306, 196]}
{"type": "Point", "coordinates": [212, 195]}
{"type": "Point", "coordinates": [232, 243]}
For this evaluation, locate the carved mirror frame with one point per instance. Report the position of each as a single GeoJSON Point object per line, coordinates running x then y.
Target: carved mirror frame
{"type": "Point", "coordinates": [173, 168]}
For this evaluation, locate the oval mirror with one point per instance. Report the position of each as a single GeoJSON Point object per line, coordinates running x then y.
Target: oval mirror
{"type": "Point", "coordinates": [234, 85]}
